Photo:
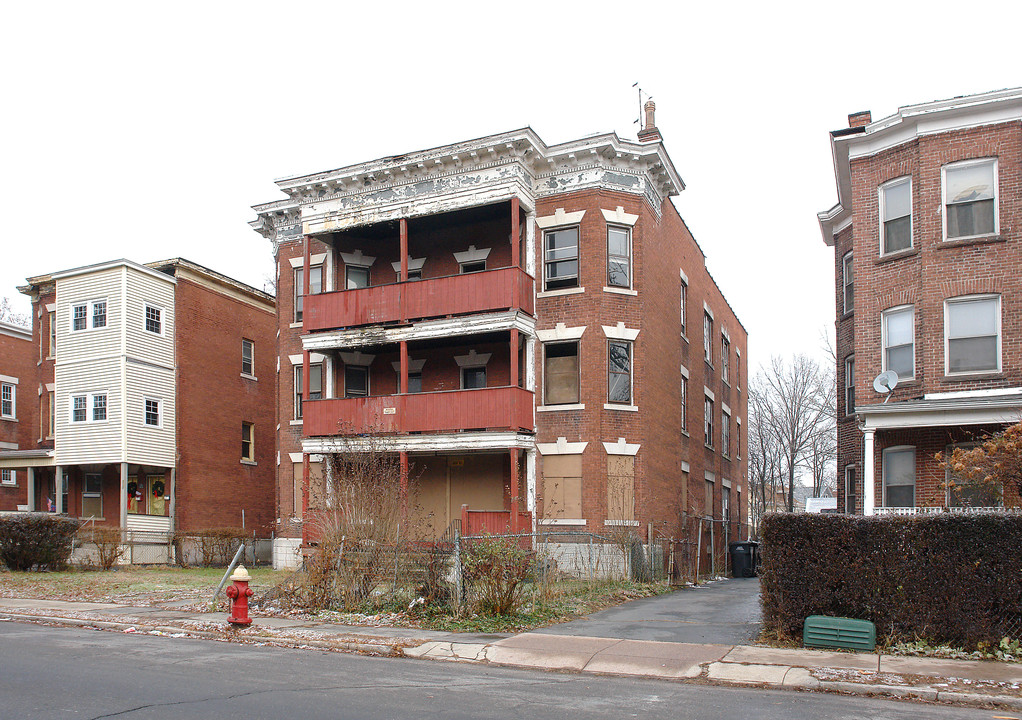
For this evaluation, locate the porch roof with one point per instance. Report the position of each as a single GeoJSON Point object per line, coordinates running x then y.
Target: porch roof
{"type": "Point", "coordinates": [943, 410]}
{"type": "Point", "coordinates": [12, 459]}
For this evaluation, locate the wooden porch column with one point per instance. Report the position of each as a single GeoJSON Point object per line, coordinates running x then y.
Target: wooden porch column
{"type": "Point", "coordinates": [30, 489]}
{"type": "Point", "coordinates": [404, 266]}
{"type": "Point", "coordinates": [868, 488]}
{"type": "Point", "coordinates": [58, 490]}
{"type": "Point", "coordinates": [403, 389]}
{"type": "Point", "coordinates": [514, 357]}
{"type": "Point", "coordinates": [516, 259]}
{"type": "Point", "coordinates": [124, 500]}
{"type": "Point", "coordinates": [305, 495]}
{"type": "Point", "coordinates": [514, 490]}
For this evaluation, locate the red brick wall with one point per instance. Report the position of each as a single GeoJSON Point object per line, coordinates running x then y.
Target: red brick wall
{"type": "Point", "coordinates": [213, 485]}
{"type": "Point", "coordinates": [929, 273]}
{"type": "Point", "coordinates": [18, 359]}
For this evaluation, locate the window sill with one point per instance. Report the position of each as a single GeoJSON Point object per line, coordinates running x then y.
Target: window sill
{"type": "Point", "coordinates": [845, 315]}
{"type": "Point", "coordinates": [555, 408]}
{"type": "Point", "coordinates": [977, 375]}
{"type": "Point", "coordinates": [562, 521]}
{"type": "Point", "coordinates": [684, 337]}
{"type": "Point", "coordinates": [248, 462]}
{"type": "Point", "coordinates": [707, 446]}
{"type": "Point", "coordinates": [621, 523]}
{"type": "Point", "coordinates": [8, 419]}
{"type": "Point", "coordinates": [617, 406]}
{"type": "Point", "coordinates": [297, 422]}
{"type": "Point", "coordinates": [559, 293]}
{"type": "Point", "coordinates": [898, 255]}
{"type": "Point", "coordinates": [972, 240]}
{"type": "Point", "coordinates": [685, 433]}
{"type": "Point", "coordinates": [620, 291]}
{"type": "Point", "coordinates": [249, 377]}
{"type": "Point", "coordinates": [295, 325]}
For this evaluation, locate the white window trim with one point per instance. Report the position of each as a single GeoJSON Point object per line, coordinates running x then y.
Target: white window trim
{"type": "Point", "coordinates": [159, 412]}
{"type": "Point", "coordinates": [618, 217]}
{"type": "Point", "coordinates": [624, 290]}
{"type": "Point", "coordinates": [472, 255]}
{"type": "Point", "coordinates": [252, 442]}
{"type": "Point", "coordinates": [844, 281]}
{"type": "Point", "coordinates": [13, 481]}
{"type": "Point", "coordinates": [883, 470]}
{"type": "Point", "coordinates": [355, 258]}
{"type": "Point", "coordinates": [559, 219]}
{"type": "Point", "coordinates": [881, 204]}
{"type": "Point", "coordinates": [883, 338]}
{"type": "Point", "coordinates": [90, 310]}
{"type": "Point", "coordinates": [849, 360]}
{"type": "Point", "coordinates": [163, 318]}
{"type": "Point", "coordinates": [578, 356]}
{"type": "Point", "coordinates": [252, 375]}
{"type": "Point", "coordinates": [562, 447]}
{"type": "Point", "coordinates": [943, 199]}
{"type": "Point", "coordinates": [89, 404]}
{"type": "Point", "coordinates": [12, 382]}
{"type": "Point", "coordinates": [947, 334]}
{"type": "Point", "coordinates": [620, 447]}
{"type": "Point", "coordinates": [629, 406]}
{"type": "Point", "coordinates": [561, 333]}
{"type": "Point", "coordinates": [560, 292]}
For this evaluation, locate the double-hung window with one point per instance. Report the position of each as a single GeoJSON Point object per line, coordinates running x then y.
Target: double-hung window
{"type": "Point", "coordinates": [53, 335]}
{"type": "Point", "coordinates": [850, 489]}
{"type": "Point", "coordinates": [79, 316]}
{"type": "Point", "coordinates": [899, 469]}
{"type": "Point", "coordinates": [684, 306]}
{"type": "Point", "coordinates": [849, 385]}
{"type": "Point", "coordinates": [725, 433]}
{"type": "Point", "coordinates": [560, 373]}
{"type": "Point", "coordinates": [473, 378]}
{"type": "Point", "coordinates": [619, 372]}
{"type": "Point", "coordinates": [99, 313]}
{"type": "Point", "coordinates": [708, 422]}
{"type": "Point", "coordinates": [315, 387]}
{"type": "Point", "coordinates": [247, 442]}
{"type": "Point", "coordinates": [619, 257]}
{"type": "Point", "coordinates": [7, 477]}
{"type": "Point", "coordinates": [684, 403]}
{"type": "Point", "coordinates": [708, 338]}
{"type": "Point", "coordinates": [8, 398]}
{"type": "Point", "coordinates": [79, 408]}
{"type": "Point", "coordinates": [152, 412]}
{"type": "Point", "coordinates": [848, 282]}
{"type": "Point", "coordinates": [896, 215]}
{"type": "Point", "coordinates": [315, 287]}
{"type": "Point", "coordinates": [153, 319]}
{"type": "Point", "coordinates": [356, 381]}
{"type": "Point", "coordinates": [83, 316]}
{"type": "Point", "coordinates": [89, 407]}
{"type": "Point", "coordinates": [560, 258]}
{"type": "Point", "coordinates": [972, 326]}
{"type": "Point", "coordinates": [247, 357]}
{"type": "Point", "coordinates": [725, 359]}
{"type": "Point", "coordinates": [355, 277]}
{"type": "Point", "coordinates": [899, 341]}
{"type": "Point", "coordinates": [99, 407]}
{"type": "Point", "coordinates": [970, 199]}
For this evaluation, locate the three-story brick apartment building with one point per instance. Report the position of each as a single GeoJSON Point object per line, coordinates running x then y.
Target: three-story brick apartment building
{"type": "Point", "coordinates": [18, 405]}
{"type": "Point", "coordinates": [145, 381]}
{"type": "Point", "coordinates": [927, 234]}
{"type": "Point", "coordinates": [531, 327]}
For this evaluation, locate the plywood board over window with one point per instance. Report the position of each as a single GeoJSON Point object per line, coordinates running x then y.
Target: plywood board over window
{"type": "Point", "coordinates": [620, 487]}
{"type": "Point", "coordinates": [562, 487]}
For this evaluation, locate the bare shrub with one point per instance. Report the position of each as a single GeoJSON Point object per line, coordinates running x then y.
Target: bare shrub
{"type": "Point", "coordinates": [497, 569]}
{"type": "Point", "coordinates": [216, 547]}
{"type": "Point", "coordinates": [108, 545]}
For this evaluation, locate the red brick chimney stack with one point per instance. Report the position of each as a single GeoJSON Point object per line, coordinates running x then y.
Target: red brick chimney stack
{"type": "Point", "coordinates": [649, 133]}
{"type": "Point", "coordinates": [860, 119]}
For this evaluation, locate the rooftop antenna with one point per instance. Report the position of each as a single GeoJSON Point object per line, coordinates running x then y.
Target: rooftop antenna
{"type": "Point", "coordinates": [638, 120]}
{"type": "Point", "coordinates": [885, 382]}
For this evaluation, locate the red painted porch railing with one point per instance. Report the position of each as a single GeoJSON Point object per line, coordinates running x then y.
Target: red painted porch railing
{"type": "Point", "coordinates": [506, 408]}
{"type": "Point", "coordinates": [494, 522]}
{"type": "Point", "coordinates": [485, 291]}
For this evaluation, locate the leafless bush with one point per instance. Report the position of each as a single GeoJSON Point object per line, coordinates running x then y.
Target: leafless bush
{"type": "Point", "coordinates": [109, 548]}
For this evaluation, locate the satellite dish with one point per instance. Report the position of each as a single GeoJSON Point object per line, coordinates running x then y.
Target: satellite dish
{"type": "Point", "coordinates": [885, 382]}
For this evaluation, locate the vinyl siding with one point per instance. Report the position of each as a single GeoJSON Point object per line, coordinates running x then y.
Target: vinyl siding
{"type": "Point", "coordinates": [141, 344]}
{"type": "Point", "coordinates": [150, 445]}
{"type": "Point", "coordinates": [88, 442]}
{"type": "Point", "coordinates": [93, 342]}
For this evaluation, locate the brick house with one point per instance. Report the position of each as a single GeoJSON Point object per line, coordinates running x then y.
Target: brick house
{"type": "Point", "coordinates": [18, 406]}
{"type": "Point", "coordinates": [145, 381]}
{"type": "Point", "coordinates": [927, 238]}
{"type": "Point", "coordinates": [531, 327]}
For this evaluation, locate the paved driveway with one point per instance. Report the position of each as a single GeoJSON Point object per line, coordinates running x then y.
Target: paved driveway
{"type": "Point", "coordinates": [724, 612]}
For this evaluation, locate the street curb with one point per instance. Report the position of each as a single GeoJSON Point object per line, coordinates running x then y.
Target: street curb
{"type": "Point", "coordinates": [392, 650]}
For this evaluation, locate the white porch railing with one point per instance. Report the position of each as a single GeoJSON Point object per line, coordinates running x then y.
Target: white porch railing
{"type": "Point", "coordinates": [938, 510]}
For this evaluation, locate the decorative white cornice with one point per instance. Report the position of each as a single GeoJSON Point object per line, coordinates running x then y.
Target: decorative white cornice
{"type": "Point", "coordinates": [314, 259]}
{"type": "Point", "coordinates": [471, 255]}
{"type": "Point", "coordinates": [619, 217]}
{"type": "Point", "coordinates": [314, 358]}
{"type": "Point", "coordinates": [561, 332]}
{"type": "Point", "coordinates": [414, 366]}
{"type": "Point", "coordinates": [413, 264]}
{"type": "Point", "coordinates": [562, 447]}
{"type": "Point", "coordinates": [473, 359]}
{"type": "Point", "coordinates": [621, 447]}
{"type": "Point", "coordinates": [357, 258]}
{"type": "Point", "coordinates": [466, 441]}
{"type": "Point", "coordinates": [620, 332]}
{"type": "Point", "coordinates": [357, 358]}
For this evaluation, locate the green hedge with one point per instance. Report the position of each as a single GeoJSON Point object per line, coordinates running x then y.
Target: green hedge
{"type": "Point", "coordinates": [947, 578]}
{"type": "Point", "coordinates": [36, 539]}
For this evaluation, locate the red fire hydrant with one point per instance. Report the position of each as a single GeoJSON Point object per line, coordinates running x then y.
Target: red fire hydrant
{"type": "Point", "coordinates": [239, 593]}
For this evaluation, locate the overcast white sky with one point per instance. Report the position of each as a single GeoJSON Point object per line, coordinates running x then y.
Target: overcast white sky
{"type": "Point", "coordinates": [147, 130]}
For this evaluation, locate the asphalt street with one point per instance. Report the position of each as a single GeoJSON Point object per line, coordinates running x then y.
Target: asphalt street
{"type": "Point", "coordinates": [67, 672]}
{"type": "Point", "coordinates": [725, 612]}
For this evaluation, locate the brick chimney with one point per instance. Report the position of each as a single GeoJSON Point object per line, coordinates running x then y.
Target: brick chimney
{"type": "Point", "coordinates": [860, 119]}
{"type": "Point", "coordinates": [649, 133]}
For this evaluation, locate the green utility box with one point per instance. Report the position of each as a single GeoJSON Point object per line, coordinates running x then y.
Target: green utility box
{"type": "Point", "coordinates": [837, 632]}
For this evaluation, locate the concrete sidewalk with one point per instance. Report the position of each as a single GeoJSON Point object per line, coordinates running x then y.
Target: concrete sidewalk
{"type": "Point", "coordinates": [958, 681]}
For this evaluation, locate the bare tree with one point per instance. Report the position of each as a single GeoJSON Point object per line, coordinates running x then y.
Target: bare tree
{"type": "Point", "coordinates": [9, 315]}
{"type": "Point", "coordinates": [801, 401]}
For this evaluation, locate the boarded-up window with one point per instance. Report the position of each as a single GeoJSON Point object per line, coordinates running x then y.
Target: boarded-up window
{"type": "Point", "coordinates": [562, 486]}
{"type": "Point", "coordinates": [561, 374]}
{"type": "Point", "coordinates": [620, 487]}
{"type": "Point", "coordinates": [317, 488]}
